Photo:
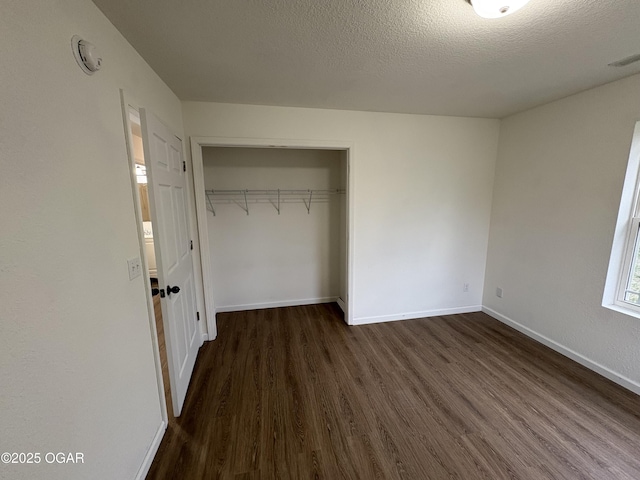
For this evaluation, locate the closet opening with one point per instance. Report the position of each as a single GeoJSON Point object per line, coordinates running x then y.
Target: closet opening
{"type": "Point", "coordinates": [274, 223]}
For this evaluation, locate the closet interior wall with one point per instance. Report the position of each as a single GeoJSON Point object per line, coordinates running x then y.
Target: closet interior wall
{"type": "Point", "coordinates": [263, 258]}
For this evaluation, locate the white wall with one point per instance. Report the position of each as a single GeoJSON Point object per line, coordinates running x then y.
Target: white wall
{"type": "Point", "coordinates": [558, 182]}
{"type": "Point", "coordinates": [264, 259]}
{"type": "Point", "coordinates": [422, 198]}
{"type": "Point", "coordinates": [76, 363]}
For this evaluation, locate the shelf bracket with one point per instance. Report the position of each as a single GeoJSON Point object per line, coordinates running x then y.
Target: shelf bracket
{"type": "Point", "coordinates": [308, 205]}
{"type": "Point", "coordinates": [246, 205]}
{"type": "Point", "coordinates": [213, 210]}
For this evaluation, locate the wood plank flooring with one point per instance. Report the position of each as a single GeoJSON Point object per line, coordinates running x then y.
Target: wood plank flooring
{"type": "Point", "coordinates": [157, 310]}
{"type": "Point", "coordinates": [294, 393]}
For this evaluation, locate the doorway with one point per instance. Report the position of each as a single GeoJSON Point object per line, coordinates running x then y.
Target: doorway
{"type": "Point", "coordinates": [343, 150]}
{"type": "Point", "coordinates": [276, 225]}
{"type": "Point", "coordinates": [151, 273]}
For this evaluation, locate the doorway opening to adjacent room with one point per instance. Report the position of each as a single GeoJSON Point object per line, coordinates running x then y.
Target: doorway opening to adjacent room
{"type": "Point", "coordinates": [149, 257]}
{"type": "Point", "coordinates": [158, 169]}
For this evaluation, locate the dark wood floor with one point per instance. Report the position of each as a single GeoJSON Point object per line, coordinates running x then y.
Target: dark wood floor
{"type": "Point", "coordinates": [295, 393]}
{"type": "Point", "coordinates": [157, 310]}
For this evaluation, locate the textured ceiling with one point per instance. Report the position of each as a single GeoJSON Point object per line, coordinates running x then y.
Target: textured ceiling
{"type": "Point", "coordinates": [412, 56]}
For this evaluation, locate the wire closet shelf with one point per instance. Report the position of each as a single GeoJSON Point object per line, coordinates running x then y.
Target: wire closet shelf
{"type": "Point", "coordinates": [243, 198]}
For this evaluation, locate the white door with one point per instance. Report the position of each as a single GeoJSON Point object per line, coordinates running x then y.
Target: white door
{"type": "Point", "coordinates": [168, 198]}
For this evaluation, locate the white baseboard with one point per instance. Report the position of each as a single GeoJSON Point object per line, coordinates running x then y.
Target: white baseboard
{"type": "Point", "coordinates": [567, 352]}
{"type": "Point", "coordinates": [414, 315]}
{"type": "Point", "coordinates": [284, 303]}
{"type": "Point", "coordinates": [341, 304]}
{"type": "Point", "coordinates": [151, 453]}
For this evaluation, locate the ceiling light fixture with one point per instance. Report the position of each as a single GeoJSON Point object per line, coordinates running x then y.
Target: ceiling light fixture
{"type": "Point", "coordinates": [496, 8]}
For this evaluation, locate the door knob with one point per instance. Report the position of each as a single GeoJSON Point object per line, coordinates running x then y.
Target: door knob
{"type": "Point", "coordinates": [171, 290]}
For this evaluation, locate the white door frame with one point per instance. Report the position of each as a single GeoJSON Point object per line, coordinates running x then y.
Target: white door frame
{"type": "Point", "coordinates": [126, 105]}
{"type": "Point", "coordinates": [201, 207]}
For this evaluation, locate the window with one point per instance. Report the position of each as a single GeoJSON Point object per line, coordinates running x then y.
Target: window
{"type": "Point", "coordinates": [630, 284]}
{"type": "Point", "coordinates": [622, 287]}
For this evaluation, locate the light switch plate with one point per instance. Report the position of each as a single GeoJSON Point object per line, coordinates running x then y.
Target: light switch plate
{"type": "Point", "coordinates": [135, 267]}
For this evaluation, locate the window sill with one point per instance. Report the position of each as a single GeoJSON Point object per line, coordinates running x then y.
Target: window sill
{"type": "Point", "coordinates": [624, 310]}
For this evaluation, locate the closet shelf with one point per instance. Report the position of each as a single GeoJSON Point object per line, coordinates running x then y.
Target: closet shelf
{"type": "Point", "coordinates": [243, 198]}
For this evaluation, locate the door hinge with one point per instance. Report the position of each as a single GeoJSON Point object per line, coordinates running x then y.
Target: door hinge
{"type": "Point", "coordinates": [191, 244]}
{"type": "Point", "coordinates": [198, 316]}
{"type": "Point", "coordinates": [184, 166]}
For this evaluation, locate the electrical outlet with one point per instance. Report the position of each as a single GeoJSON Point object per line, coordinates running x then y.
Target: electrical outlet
{"type": "Point", "coordinates": [135, 267]}
{"type": "Point", "coordinates": [465, 287]}
{"type": "Point", "coordinates": [499, 292]}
